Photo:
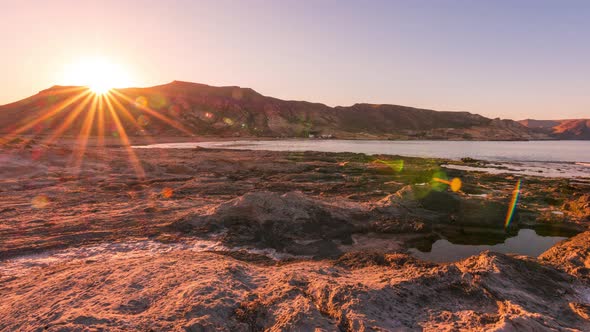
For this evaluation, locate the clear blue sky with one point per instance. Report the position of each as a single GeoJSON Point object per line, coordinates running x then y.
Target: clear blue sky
{"type": "Point", "coordinates": [510, 59]}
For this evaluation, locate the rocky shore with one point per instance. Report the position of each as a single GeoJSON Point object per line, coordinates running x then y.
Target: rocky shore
{"type": "Point", "coordinates": [301, 241]}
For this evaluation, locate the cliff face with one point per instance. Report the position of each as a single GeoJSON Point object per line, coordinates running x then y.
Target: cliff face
{"type": "Point", "coordinates": [570, 129]}
{"type": "Point", "coordinates": [182, 108]}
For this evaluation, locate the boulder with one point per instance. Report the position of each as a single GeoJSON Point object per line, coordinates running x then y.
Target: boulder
{"type": "Point", "coordinates": [289, 221]}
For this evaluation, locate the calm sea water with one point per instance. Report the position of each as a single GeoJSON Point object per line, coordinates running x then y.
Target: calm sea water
{"type": "Point", "coordinates": [527, 242]}
{"type": "Point", "coordinates": [544, 151]}
{"type": "Point", "coordinates": [541, 158]}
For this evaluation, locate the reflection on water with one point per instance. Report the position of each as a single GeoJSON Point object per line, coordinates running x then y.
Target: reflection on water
{"type": "Point", "coordinates": [527, 242]}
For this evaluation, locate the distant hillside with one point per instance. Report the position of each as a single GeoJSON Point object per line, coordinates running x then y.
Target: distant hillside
{"type": "Point", "coordinates": [183, 108]}
{"type": "Point", "coordinates": [569, 129]}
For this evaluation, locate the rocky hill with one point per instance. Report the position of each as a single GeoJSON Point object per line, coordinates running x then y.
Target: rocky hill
{"type": "Point", "coordinates": [183, 108]}
{"type": "Point", "coordinates": [570, 129]}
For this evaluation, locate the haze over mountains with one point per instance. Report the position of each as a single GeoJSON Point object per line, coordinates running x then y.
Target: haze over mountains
{"type": "Point", "coordinates": [184, 109]}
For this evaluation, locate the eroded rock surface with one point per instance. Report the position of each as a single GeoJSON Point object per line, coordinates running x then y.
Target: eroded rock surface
{"type": "Point", "coordinates": [344, 220]}
{"type": "Point", "coordinates": [291, 222]}
{"type": "Point", "coordinates": [572, 256]}
{"type": "Point", "coordinates": [206, 291]}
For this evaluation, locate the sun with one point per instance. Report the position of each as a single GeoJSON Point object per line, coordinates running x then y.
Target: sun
{"type": "Point", "coordinates": [100, 75]}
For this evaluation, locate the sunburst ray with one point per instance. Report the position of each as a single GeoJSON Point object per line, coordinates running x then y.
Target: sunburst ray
{"type": "Point", "coordinates": [82, 140]}
{"type": "Point", "coordinates": [124, 110]}
{"type": "Point", "coordinates": [129, 116]}
{"type": "Point", "coordinates": [68, 120]}
{"type": "Point", "coordinates": [125, 140]}
{"type": "Point", "coordinates": [54, 110]}
{"type": "Point", "coordinates": [155, 114]}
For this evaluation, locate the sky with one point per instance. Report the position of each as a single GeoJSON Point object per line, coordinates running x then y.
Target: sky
{"type": "Point", "coordinates": [510, 59]}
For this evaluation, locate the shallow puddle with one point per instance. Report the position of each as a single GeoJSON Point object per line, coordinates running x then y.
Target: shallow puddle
{"type": "Point", "coordinates": [527, 242]}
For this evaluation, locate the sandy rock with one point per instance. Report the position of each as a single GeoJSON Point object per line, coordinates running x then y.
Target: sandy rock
{"type": "Point", "coordinates": [356, 260]}
{"type": "Point", "coordinates": [572, 256]}
{"type": "Point", "coordinates": [192, 291]}
{"type": "Point", "coordinates": [579, 207]}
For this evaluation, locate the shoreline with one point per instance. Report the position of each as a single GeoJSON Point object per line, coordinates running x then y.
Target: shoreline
{"type": "Point", "coordinates": [144, 140]}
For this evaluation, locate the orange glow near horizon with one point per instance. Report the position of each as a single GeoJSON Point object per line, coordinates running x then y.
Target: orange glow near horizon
{"type": "Point", "coordinates": [91, 110]}
{"type": "Point", "coordinates": [99, 74]}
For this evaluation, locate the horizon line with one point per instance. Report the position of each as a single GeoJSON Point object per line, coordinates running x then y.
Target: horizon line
{"type": "Point", "coordinates": [291, 100]}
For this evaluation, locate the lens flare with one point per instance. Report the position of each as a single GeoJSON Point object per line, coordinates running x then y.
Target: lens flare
{"type": "Point", "coordinates": [439, 180]}
{"type": "Point", "coordinates": [396, 165]}
{"type": "Point", "coordinates": [455, 184]}
{"type": "Point", "coordinates": [40, 202]}
{"type": "Point", "coordinates": [158, 101]}
{"type": "Point", "coordinates": [140, 102]}
{"type": "Point", "coordinates": [513, 203]}
{"type": "Point", "coordinates": [167, 192]}
{"type": "Point", "coordinates": [117, 94]}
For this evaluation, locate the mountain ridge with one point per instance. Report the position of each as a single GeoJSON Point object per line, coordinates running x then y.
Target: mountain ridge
{"type": "Point", "coordinates": [565, 129]}
{"type": "Point", "coordinates": [181, 108]}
